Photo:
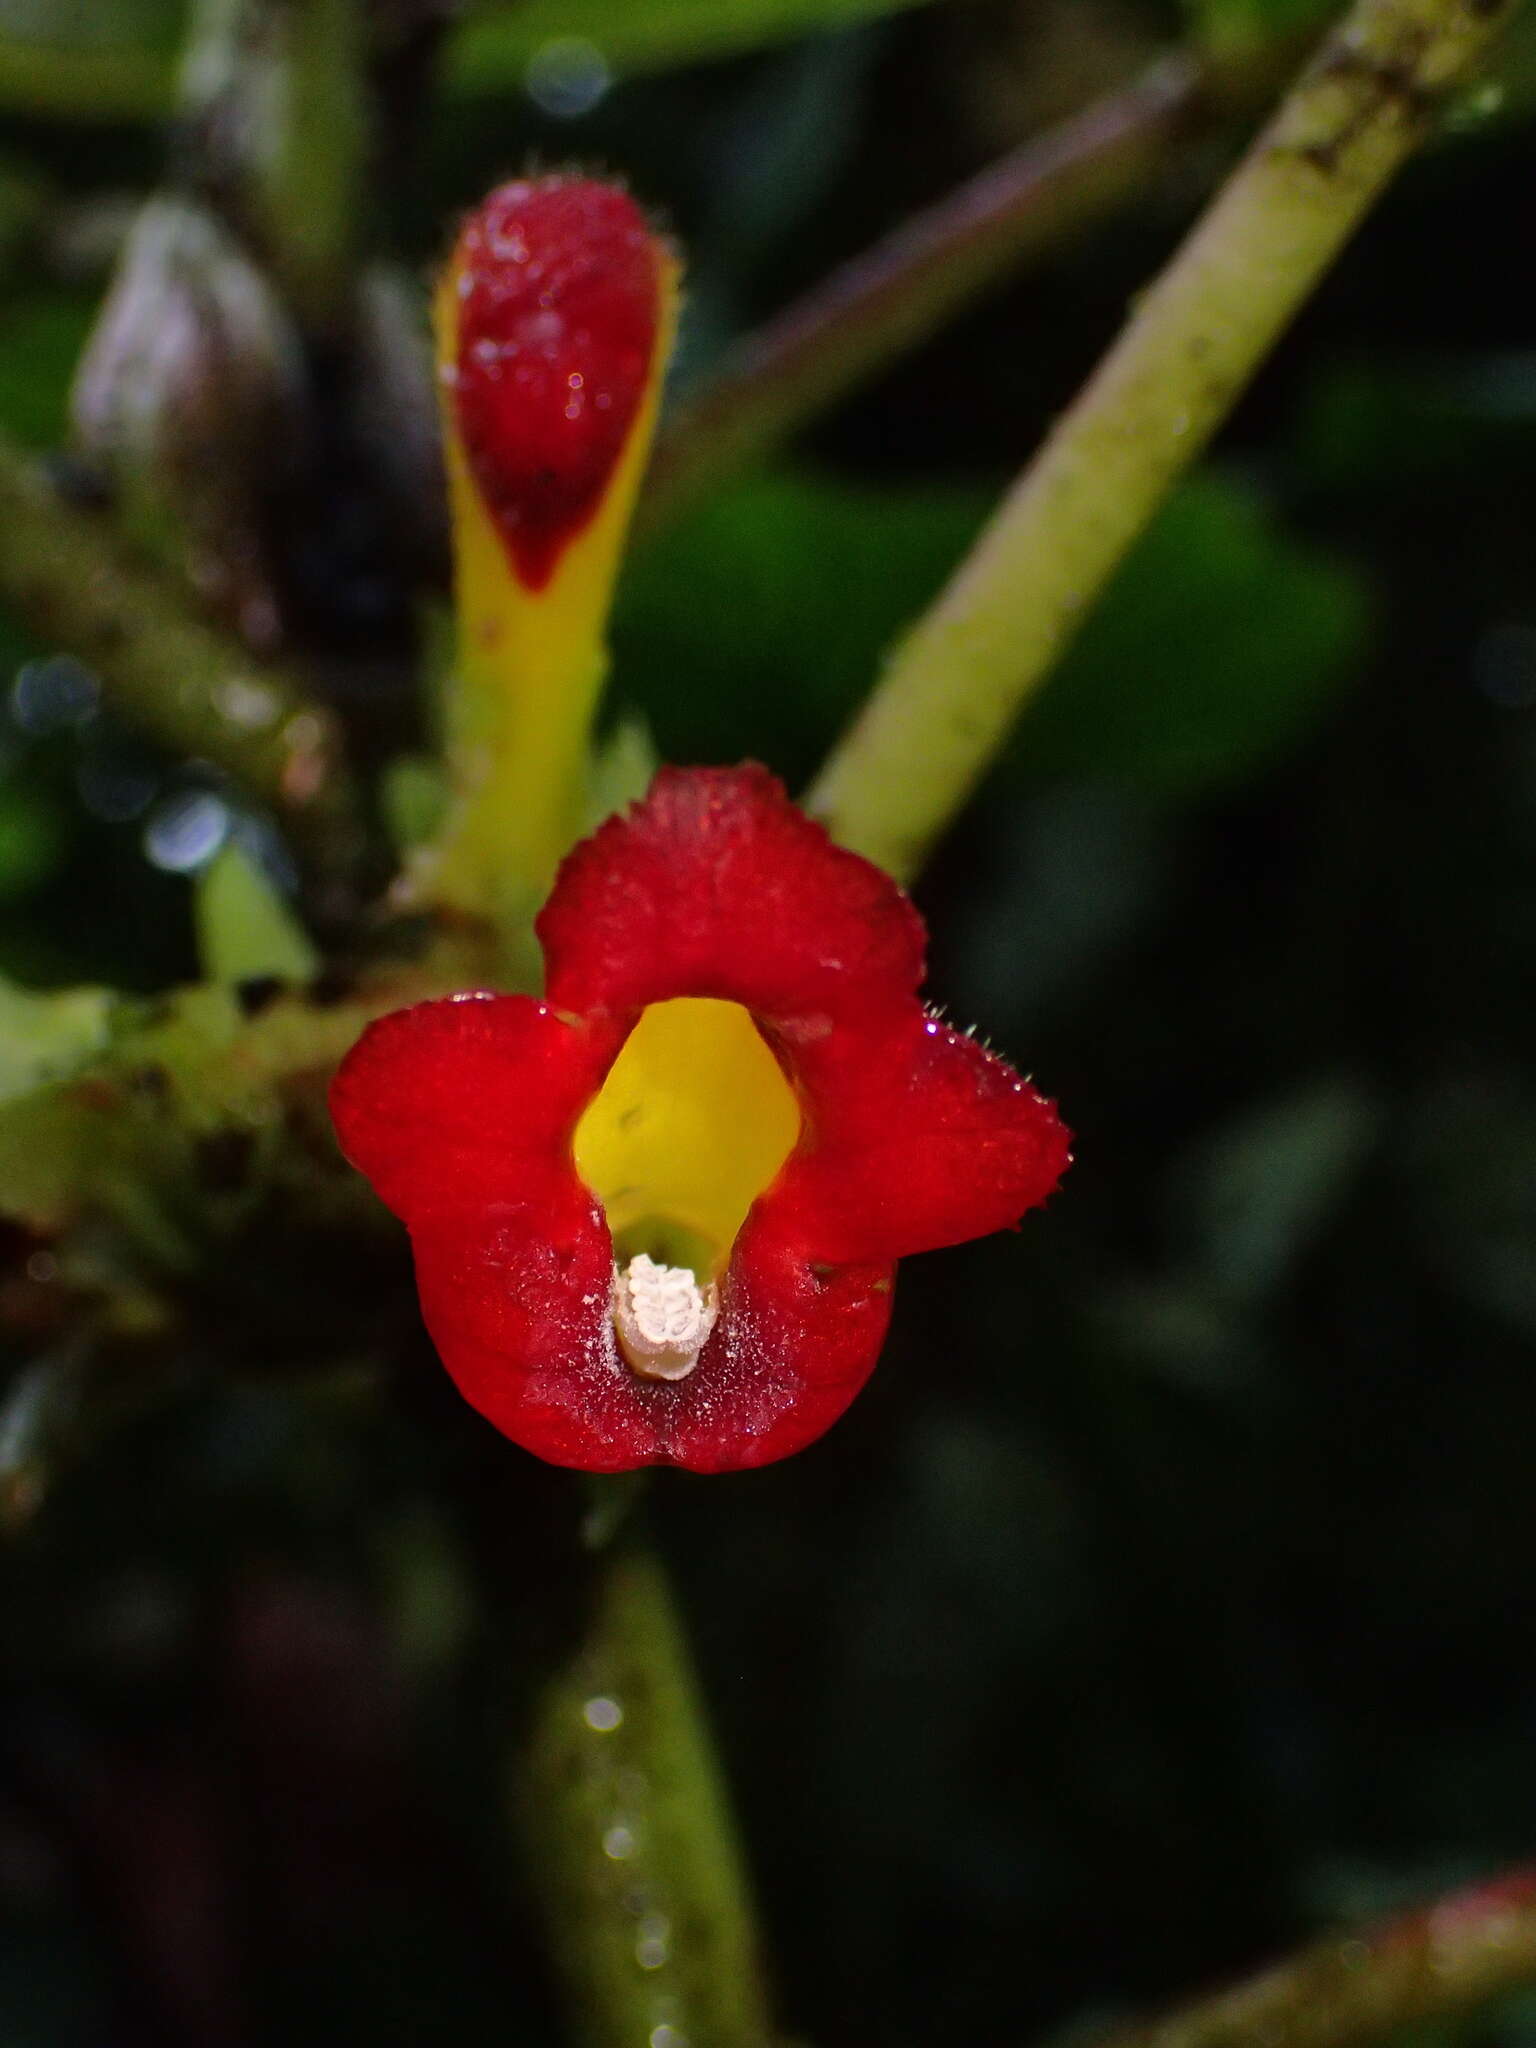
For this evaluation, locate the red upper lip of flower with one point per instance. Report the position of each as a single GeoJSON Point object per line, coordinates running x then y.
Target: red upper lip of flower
{"type": "Point", "coordinates": [913, 1135]}
{"type": "Point", "coordinates": [559, 303]}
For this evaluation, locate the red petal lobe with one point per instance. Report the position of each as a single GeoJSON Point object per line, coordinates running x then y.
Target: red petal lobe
{"type": "Point", "coordinates": [516, 1301]}
{"type": "Point", "coordinates": [715, 885]}
{"type": "Point", "coordinates": [465, 1101]}
{"type": "Point", "coordinates": [921, 1139]}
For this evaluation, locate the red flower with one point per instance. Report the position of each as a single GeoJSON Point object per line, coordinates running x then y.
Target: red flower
{"type": "Point", "coordinates": [555, 299]}
{"type": "Point", "coordinates": [656, 1216]}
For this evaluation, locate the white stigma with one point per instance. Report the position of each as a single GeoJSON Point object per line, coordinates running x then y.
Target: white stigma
{"type": "Point", "coordinates": [662, 1317]}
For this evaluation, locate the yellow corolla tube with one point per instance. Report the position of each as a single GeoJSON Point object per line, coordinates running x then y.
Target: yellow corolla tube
{"type": "Point", "coordinates": [693, 1122]}
{"type": "Point", "coordinates": [554, 320]}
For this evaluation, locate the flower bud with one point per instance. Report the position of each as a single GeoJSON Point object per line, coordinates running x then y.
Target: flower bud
{"type": "Point", "coordinates": [554, 322]}
{"type": "Point", "coordinates": [189, 393]}
{"type": "Point", "coordinates": [550, 318]}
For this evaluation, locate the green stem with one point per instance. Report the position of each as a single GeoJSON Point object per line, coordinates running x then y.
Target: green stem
{"type": "Point", "coordinates": [894, 295]}
{"type": "Point", "coordinates": [84, 82]}
{"type": "Point", "coordinates": [1429, 1965]}
{"type": "Point", "coordinates": [120, 1128]}
{"type": "Point", "coordinates": [958, 680]}
{"type": "Point", "coordinates": [491, 46]}
{"type": "Point", "coordinates": [275, 103]}
{"type": "Point", "coordinates": [630, 1836]}
{"type": "Point", "coordinates": [69, 578]}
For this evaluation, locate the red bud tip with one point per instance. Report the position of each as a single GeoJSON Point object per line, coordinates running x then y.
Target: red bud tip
{"type": "Point", "coordinates": [559, 284]}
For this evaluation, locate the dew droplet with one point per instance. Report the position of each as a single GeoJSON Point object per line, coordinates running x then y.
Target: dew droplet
{"type": "Point", "coordinates": [185, 831]}
{"type": "Point", "coordinates": [113, 789]}
{"type": "Point", "coordinates": [567, 77]}
{"type": "Point", "coordinates": [53, 694]}
{"type": "Point", "coordinates": [653, 1942]}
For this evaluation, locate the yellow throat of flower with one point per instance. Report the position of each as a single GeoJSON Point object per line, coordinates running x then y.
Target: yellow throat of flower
{"type": "Point", "coordinates": [691, 1125]}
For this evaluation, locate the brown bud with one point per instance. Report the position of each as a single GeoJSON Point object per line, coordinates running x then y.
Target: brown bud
{"type": "Point", "coordinates": [190, 394]}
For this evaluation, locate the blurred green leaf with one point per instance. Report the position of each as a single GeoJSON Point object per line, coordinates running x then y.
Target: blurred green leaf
{"type": "Point", "coordinates": [93, 24]}
{"type": "Point", "coordinates": [490, 52]}
{"type": "Point", "coordinates": [41, 336]}
{"type": "Point", "coordinates": [22, 200]}
{"type": "Point", "coordinates": [45, 1040]}
{"type": "Point", "coordinates": [1470, 1168]}
{"type": "Point", "coordinates": [1373, 423]}
{"type": "Point", "coordinates": [1258, 1191]}
{"type": "Point", "coordinates": [244, 928]}
{"type": "Point", "coordinates": [621, 770]}
{"type": "Point", "coordinates": [1219, 642]}
{"type": "Point", "coordinates": [125, 1127]}
{"type": "Point", "coordinates": [1228, 26]}
{"type": "Point", "coordinates": [413, 794]}
{"type": "Point", "coordinates": [89, 59]}
{"type": "Point", "coordinates": [44, 1037]}
{"type": "Point", "coordinates": [41, 1159]}
{"type": "Point", "coordinates": [33, 833]}
{"type": "Point", "coordinates": [755, 624]}
{"type": "Point", "coordinates": [105, 59]}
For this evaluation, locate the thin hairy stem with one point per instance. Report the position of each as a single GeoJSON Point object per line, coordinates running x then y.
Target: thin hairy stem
{"type": "Point", "coordinates": [956, 683]}
{"type": "Point", "coordinates": [1428, 1965]}
{"type": "Point", "coordinates": [68, 577]}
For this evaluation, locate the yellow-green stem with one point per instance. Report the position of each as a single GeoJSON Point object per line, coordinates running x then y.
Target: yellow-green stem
{"type": "Point", "coordinates": [894, 295]}
{"type": "Point", "coordinates": [1369, 1985]}
{"type": "Point", "coordinates": [274, 98]}
{"type": "Point", "coordinates": [68, 575]}
{"type": "Point", "coordinates": [955, 684]}
{"type": "Point", "coordinates": [630, 1834]}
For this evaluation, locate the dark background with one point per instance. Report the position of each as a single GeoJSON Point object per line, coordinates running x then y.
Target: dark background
{"type": "Point", "coordinates": [1168, 1595]}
